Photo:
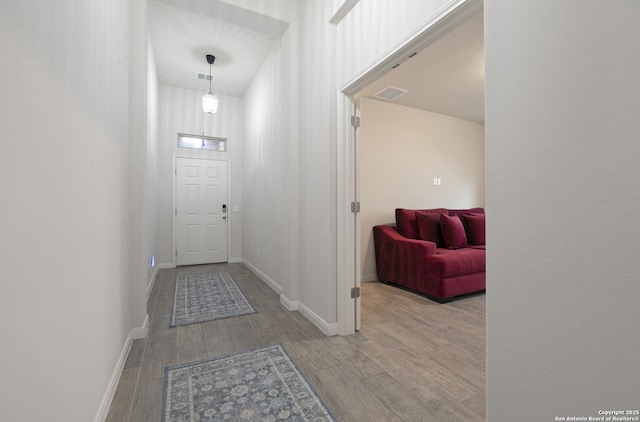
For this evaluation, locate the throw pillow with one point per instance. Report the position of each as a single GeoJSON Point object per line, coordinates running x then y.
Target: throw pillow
{"type": "Point", "coordinates": [404, 223]}
{"type": "Point", "coordinates": [474, 226]}
{"type": "Point", "coordinates": [453, 232]}
{"type": "Point", "coordinates": [407, 224]}
{"type": "Point", "coordinates": [429, 227]}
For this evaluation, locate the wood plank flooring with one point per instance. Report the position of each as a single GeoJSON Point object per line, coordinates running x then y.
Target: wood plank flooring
{"type": "Point", "coordinates": [413, 359]}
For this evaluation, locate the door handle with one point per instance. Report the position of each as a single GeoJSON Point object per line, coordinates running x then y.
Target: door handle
{"type": "Point", "coordinates": [224, 217]}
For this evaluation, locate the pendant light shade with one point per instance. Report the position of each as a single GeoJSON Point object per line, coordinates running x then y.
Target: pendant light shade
{"type": "Point", "coordinates": [210, 101]}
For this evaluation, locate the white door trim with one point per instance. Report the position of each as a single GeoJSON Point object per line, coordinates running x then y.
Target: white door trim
{"type": "Point", "coordinates": [345, 225]}
{"type": "Point", "coordinates": [450, 16]}
{"type": "Point", "coordinates": [174, 218]}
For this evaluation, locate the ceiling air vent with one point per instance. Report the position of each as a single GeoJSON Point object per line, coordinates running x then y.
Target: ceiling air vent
{"type": "Point", "coordinates": [390, 93]}
{"type": "Point", "coordinates": [205, 76]}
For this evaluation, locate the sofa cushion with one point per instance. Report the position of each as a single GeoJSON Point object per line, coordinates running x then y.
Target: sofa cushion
{"type": "Point", "coordinates": [406, 221]}
{"type": "Point", "coordinates": [429, 227]}
{"type": "Point", "coordinates": [453, 232]}
{"type": "Point", "coordinates": [474, 226]}
{"type": "Point", "coordinates": [483, 247]}
{"type": "Point", "coordinates": [447, 263]}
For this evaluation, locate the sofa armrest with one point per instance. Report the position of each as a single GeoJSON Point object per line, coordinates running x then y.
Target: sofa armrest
{"type": "Point", "coordinates": [400, 260]}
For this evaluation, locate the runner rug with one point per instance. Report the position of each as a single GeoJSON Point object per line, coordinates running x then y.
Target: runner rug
{"type": "Point", "coordinates": [259, 385]}
{"type": "Point", "coordinates": [205, 297]}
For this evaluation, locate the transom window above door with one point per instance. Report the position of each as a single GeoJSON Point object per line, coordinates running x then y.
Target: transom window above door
{"type": "Point", "coordinates": [202, 142]}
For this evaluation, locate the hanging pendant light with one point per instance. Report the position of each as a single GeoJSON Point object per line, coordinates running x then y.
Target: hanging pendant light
{"type": "Point", "coordinates": [210, 101]}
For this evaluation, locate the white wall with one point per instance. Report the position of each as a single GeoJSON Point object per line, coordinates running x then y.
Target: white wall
{"type": "Point", "coordinates": [317, 161]}
{"type": "Point", "coordinates": [151, 175]}
{"type": "Point", "coordinates": [402, 150]}
{"type": "Point", "coordinates": [374, 26]}
{"type": "Point", "coordinates": [290, 164]}
{"type": "Point", "coordinates": [72, 270]}
{"type": "Point", "coordinates": [563, 188]}
{"type": "Point", "coordinates": [270, 173]}
{"type": "Point", "coordinates": [141, 190]}
{"type": "Point", "coordinates": [290, 191]}
{"type": "Point", "coordinates": [180, 111]}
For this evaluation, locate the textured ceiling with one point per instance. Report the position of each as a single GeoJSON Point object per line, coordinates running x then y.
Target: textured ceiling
{"type": "Point", "coordinates": [182, 35]}
{"type": "Point", "coordinates": [447, 77]}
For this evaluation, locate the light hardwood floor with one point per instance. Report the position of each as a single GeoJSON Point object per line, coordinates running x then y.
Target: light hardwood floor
{"type": "Point", "coordinates": [413, 359]}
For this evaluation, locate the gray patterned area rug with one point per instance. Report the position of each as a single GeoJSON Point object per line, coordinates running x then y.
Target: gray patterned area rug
{"type": "Point", "coordinates": [205, 297]}
{"type": "Point", "coordinates": [258, 385]}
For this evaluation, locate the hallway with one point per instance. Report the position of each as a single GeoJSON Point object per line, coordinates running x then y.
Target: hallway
{"type": "Point", "coordinates": [412, 358]}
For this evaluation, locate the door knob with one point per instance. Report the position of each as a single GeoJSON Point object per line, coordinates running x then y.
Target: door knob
{"type": "Point", "coordinates": [224, 217]}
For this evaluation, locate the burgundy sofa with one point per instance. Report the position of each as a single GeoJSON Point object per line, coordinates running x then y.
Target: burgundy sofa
{"type": "Point", "coordinates": [437, 252]}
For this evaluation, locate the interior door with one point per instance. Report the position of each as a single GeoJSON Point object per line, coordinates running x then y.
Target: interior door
{"type": "Point", "coordinates": [201, 211]}
{"type": "Point", "coordinates": [356, 215]}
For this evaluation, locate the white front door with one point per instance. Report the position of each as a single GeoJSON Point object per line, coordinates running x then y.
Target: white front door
{"type": "Point", "coordinates": [201, 211]}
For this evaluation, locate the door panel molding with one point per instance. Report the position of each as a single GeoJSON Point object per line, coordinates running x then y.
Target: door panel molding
{"type": "Point", "coordinates": [201, 228]}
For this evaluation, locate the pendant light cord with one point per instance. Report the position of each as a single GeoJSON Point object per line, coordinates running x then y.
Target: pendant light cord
{"type": "Point", "coordinates": [210, 79]}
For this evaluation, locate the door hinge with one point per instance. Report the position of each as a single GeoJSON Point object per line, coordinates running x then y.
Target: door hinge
{"type": "Point", "coordinates": [355, 121]}
{"type": "Point", "coordinates": [355, 207]}
{"type": "Point", "coordinates": [355, 292]}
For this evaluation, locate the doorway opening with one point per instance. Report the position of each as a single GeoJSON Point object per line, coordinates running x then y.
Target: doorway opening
{"type": "Point", "coordinates": [354, 251]}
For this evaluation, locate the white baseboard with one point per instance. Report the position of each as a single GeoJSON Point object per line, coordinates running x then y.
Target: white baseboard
{"type": "Point", "coordinates": [288, 304]}
{"type": "Point", "coordinates": [325, 327]}
{"type": "Point", "coordinates": [155, 274]}
{"type": "Point", "coordinates": [234, 260]}
{"type": "Point", "coordinates": [369, 277]}
{"type": "Point", "coordinates": [275, 286]}
{"type": "Point", "coordinates": [152, 281]}
{"type": "Point", "coordinates": [140, 332]}
{"type": "Point", "coordinates": [134, 334]}
{"type": "Point", "coordinates": [294, 305]}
